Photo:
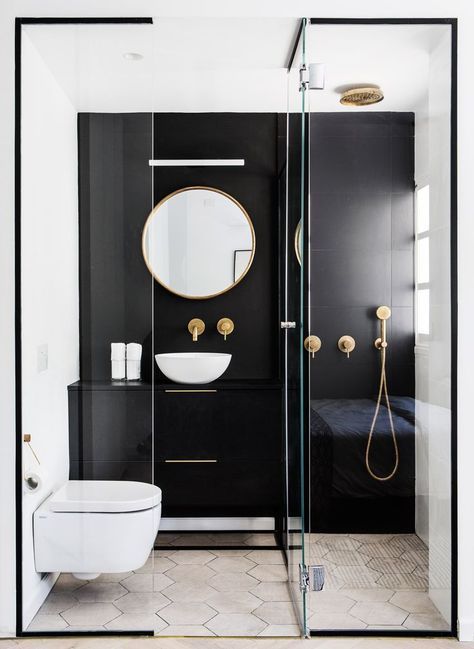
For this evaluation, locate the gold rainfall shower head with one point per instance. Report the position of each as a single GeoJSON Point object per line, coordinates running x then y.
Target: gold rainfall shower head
{"type": "Point", "coordinates": [361, 96]}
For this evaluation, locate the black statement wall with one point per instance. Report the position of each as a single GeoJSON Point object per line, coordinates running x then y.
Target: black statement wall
{"type": "Point", "coordinates": [362, 234]}
{"type": "Point", "coordinates": [117, 194]}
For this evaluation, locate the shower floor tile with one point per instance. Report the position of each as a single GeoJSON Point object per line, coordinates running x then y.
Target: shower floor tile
{"type": "Point", "coordinates": [199, 592]}
{"type": "Point", "coordinates": [373, 581]}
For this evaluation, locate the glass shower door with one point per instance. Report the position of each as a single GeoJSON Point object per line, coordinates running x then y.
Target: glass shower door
{"type": "Point", "coordinates": [294, 285]}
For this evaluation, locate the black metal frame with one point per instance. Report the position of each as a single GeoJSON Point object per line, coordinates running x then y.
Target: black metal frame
{"type": "Point", "coordinates": [19, 22]}
{"type": "Point", "coordinates": [452, 22]}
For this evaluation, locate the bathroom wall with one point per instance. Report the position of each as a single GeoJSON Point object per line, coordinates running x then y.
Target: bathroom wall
{"type": "Point", "coordinates": [115, 199]}
{"type": "Point", "coordinates": [433, 355]}
{"type": "Point", "coordinates": [50, 299]}
{"type": "Point", "coordinates": [361, 220]}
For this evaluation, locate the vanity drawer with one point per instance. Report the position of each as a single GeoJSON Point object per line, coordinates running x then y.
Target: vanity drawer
{"type": "Point", "coordinates": [224, 425]}
{"type": "Point", "coordinates": [219, 488]}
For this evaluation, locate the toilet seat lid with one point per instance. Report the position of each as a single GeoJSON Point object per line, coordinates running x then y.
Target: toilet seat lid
{"type": "Point", "coordinates": [104, 496]}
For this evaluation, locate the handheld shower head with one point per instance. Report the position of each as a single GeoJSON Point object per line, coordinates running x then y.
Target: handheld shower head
{"type": "Point", "coordinates": [383, 313]}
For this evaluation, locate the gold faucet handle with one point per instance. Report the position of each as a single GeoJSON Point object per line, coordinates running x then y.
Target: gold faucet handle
{"type": "Point", "coordinates": [346, 344]}
{"type": "Point", "coordinates": [312, 344]}
{"type": "Point", "coordinates": [225, 326]}
{"type": "Point", "coordinates": [196, 327]}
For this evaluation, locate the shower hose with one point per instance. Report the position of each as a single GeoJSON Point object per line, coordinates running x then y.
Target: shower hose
{"type": "Point", "coordinates": [382, 392]}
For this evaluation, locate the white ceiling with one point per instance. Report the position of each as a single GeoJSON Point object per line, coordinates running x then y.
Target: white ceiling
{"type": "Point", "coordinates": [230, 64]}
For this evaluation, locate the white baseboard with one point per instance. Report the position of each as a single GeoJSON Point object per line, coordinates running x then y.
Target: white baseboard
{"type": "Point", "coordinates": [216, 524]}
{"type": "Point", "coordinates": [31, 605]}
{"type": "Point", "coordinates": [466, 629]}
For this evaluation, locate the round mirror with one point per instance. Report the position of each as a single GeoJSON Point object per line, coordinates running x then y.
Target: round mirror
{"type": "Point", "coordinates": [298, 242]}
{"type": "Point", "coordinates": [198, 242]}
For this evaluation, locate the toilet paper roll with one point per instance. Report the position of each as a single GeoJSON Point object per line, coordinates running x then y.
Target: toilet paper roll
{"type": "Point", "coordinates": [33, 480]}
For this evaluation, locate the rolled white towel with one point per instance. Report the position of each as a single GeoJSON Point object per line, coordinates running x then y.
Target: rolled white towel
{"type": "Point", "coordinates": [117, 356]}
{"type": "Point", "coordinates": [134, 355]}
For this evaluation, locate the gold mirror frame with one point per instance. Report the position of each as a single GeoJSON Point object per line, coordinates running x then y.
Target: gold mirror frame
{"type": "Point", "coordinates": [180, 191]}
{"type": "Point", "coordinates": [297, 242]}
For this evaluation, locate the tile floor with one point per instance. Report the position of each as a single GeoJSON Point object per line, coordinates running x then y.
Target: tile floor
{"type": "Point", "coordinates": [373, 581]}
{"type": "Point", "coordinates": [178, 592]}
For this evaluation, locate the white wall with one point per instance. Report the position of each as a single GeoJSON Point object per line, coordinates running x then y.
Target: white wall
{"type": "Point", "coordinates": [464, 10]}
{"type": "Point", "coordinates": [433, 357]}
{"type": "Point", "coordinates": [50, 293]}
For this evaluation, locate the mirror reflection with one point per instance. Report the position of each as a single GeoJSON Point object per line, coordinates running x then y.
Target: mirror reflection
{"type": "Point", "coordinates": [198, 242]}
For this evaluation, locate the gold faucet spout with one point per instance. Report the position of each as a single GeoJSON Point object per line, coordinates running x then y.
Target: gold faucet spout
{"type": "Point", "coordinates": [196, 327]}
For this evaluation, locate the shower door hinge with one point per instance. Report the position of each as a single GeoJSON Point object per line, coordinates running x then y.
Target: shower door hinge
{"type": "Point", "coordinates": [304, 77]}
{"type": "Point", "coordinates": [311, 578]}
{"type": "Point", "coordinates": [287, 324]}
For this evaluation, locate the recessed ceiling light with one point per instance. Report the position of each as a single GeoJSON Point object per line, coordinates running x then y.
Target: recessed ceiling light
{"type": "Point", "coordinates": [132, 56]}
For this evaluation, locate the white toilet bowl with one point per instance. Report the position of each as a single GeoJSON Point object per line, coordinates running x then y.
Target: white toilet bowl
{"type": "Point", "coordinates": [92, 526]}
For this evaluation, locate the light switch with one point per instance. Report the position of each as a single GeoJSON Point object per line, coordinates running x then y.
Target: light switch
{"type": "Point", "coordinates": [42, 358]}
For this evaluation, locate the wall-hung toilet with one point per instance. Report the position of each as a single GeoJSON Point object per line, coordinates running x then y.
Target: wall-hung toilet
{"type": "Point", "coordinates": [92, 526]}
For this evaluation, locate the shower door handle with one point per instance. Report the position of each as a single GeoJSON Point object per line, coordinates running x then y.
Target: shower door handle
{"type": "Point", "coordinates": [287, 325]}
{"type": "Point", "coordinates": [312, 344]}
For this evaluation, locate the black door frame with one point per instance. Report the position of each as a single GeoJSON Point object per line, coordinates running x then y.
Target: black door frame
{"type": "Point", "coordinates": [19, 22]}
{"type": "Point", "coordinates": [452, 22]}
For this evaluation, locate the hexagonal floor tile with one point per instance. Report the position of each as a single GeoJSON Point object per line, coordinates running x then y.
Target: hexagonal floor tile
{"type": "Point", "coordinates": [330, 602]}
{"type": "Point", "coordinates": [233, 581]}
{"type": "Point", "coordinates": [187, 630]}
{"type": "Point", "coordinates": [189, 592]}
{"type": "Point", "coordinates": [91, 614]}
{"type": "Point", "coordinates": [57, 603]}
{"type": "Point", "coordinates": [340, 542]}
{"type": "Point", "coordinates": [192, 556]}
{"type": "Point", "coordinates": [240, 602]}
{"type": "Point", "coordinates": [357, 576]}
{"type": "Point", "coordinates": [267, 557]}
{"type": "Point", "coordinates": [335, 621]}
{"type": "Point", "coordinates": [137, 622]}
{"type": "Point", "coordinates": [385, 550]}
{"type": "Point", "coordinates": [402, 581]}
{"type": "Point", "coordinates": [231, 564]}
{"type": "Point", "coordinates": [391, 565]}
{"type": "Point", "coordinates": [269, 573]}
{"type": "Point", "coordinates": [47, 623]}
{"type": "Point", "coordinates": [272, 591]}
{"type": "Point", "coordinates": [142, 602]}
{"type": "Point", "coordinates": [190, 573]}
{"type": "Point", "coordinates": [367, 594]}
{"type": "Point", "coordinates": [146, 582]}
{"type": "Point", "coordinates": [67, 583]}
{"type": "Point", "coordinates": [276, 613]}
{"type": "Point", "coordinates": [281, 630]}
{"type": "Point", "coordinates": [261, 539]}
{"type": "Point", "coordinates": [379, 613]}
{"type": "Point", "coordinates": [187, 613]}
{"type": "Point", "coordinates": [156, 564]}
{"type": "Point", "coordinates": [100, 592]}
{"type": "Point", "coordinates": [426, 622]}
{"type": "Point", "coordinates": [414, 602]}
{"type": "Point", "coordinates": [239, 624]}
{"type": "Point", "coordinates": [346, 558]}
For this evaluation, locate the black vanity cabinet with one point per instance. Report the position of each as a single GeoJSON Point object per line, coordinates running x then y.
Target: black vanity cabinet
{"type": "Point", "coordinates": [219, 452]}
{"type": "Point", "coordinates": [215, 450]}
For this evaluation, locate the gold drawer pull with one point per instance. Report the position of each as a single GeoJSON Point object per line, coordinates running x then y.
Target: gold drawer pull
{"type": "Point", "coordinates": [175, 391]}
{"type": "Point", "coordinates": [189, 461]}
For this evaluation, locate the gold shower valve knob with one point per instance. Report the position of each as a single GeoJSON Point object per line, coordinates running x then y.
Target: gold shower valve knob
{"type": "Point", "coordinates": [225, 326]}
{"type": "Point", "coordinates": [346, 344]}
{"type": "Point", "coordinates": [312, 344]}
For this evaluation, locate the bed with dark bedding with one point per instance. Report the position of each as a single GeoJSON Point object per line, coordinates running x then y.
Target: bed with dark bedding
{"type": "Point", "coordinates": [344, 497]}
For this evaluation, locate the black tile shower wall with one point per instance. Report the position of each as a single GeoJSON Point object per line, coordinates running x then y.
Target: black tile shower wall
{"type": "Point", "coordinates": [117, 192]}
{"type": "Point", "coordinates": [362, 234]}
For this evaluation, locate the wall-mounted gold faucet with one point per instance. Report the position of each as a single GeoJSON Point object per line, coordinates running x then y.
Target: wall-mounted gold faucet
{"type": "Point", "coordinates": [346, 344]}
{"type": "Point", "coordinates": [312, 344]}
{"type": "Point", "coordinates": [225, 326]}
{"type": "Point", "coordinates": [196, 327]}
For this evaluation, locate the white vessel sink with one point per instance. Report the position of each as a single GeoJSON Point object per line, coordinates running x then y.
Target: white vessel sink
{"type": "Point", "coordinates": [193, 367]}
